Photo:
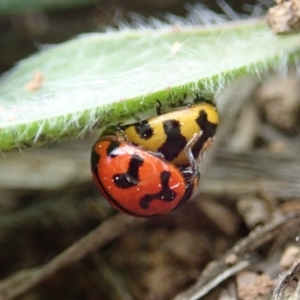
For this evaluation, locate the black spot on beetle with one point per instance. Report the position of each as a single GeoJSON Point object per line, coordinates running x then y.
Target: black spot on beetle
{"type": "Point", "coordinates": [143, 129]}
{"type": "Point", "coordinates": [208, 131]}
{"type": "Point", "coordinates": [175, 141]}
{"type": "Point", "coordinates": [110, 151]}
{"type": "Point", "coordinates": [131, 177]}
{"type": "Point", "coordinates": [166, 194]}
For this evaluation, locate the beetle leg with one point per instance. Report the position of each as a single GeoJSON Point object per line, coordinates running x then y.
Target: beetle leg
{"type": "Point", "coordinates": [158, 107]}
{"type": "Point", "coordinates": [188, 151]}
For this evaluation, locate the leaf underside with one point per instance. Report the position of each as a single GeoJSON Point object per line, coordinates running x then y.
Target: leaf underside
{"type": "Point", "coordinates": [99, 79]}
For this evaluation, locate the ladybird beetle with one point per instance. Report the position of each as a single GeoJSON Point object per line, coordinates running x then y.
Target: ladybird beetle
{"type": "Point", "coordinates": [168, 133]}
{"type": "Point", "coordinates": [138, 182]}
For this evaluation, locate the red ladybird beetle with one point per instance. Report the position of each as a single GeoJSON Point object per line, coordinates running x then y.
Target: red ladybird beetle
{"type": "Point", "coordinates": [137, 182]}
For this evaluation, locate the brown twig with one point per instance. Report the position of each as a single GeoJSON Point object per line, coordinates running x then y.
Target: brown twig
{"type": "Point", "coordinates": [24, 280]}
{"type": "Point", "coordinates": [237, 174]}
{"type": "Point", "coordinates": [289, 286]}
{"type": "Point", "coordinates": [234, 260]}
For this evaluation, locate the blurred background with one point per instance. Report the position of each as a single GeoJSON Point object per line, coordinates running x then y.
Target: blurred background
{"type": "Point", "coordinates": [48, 200]}
{"type": "Point", "coordinates": [25, 28]}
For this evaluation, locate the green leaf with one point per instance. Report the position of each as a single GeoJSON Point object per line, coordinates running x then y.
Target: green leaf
{"type": "Point", "coordinates": [100, 79]}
